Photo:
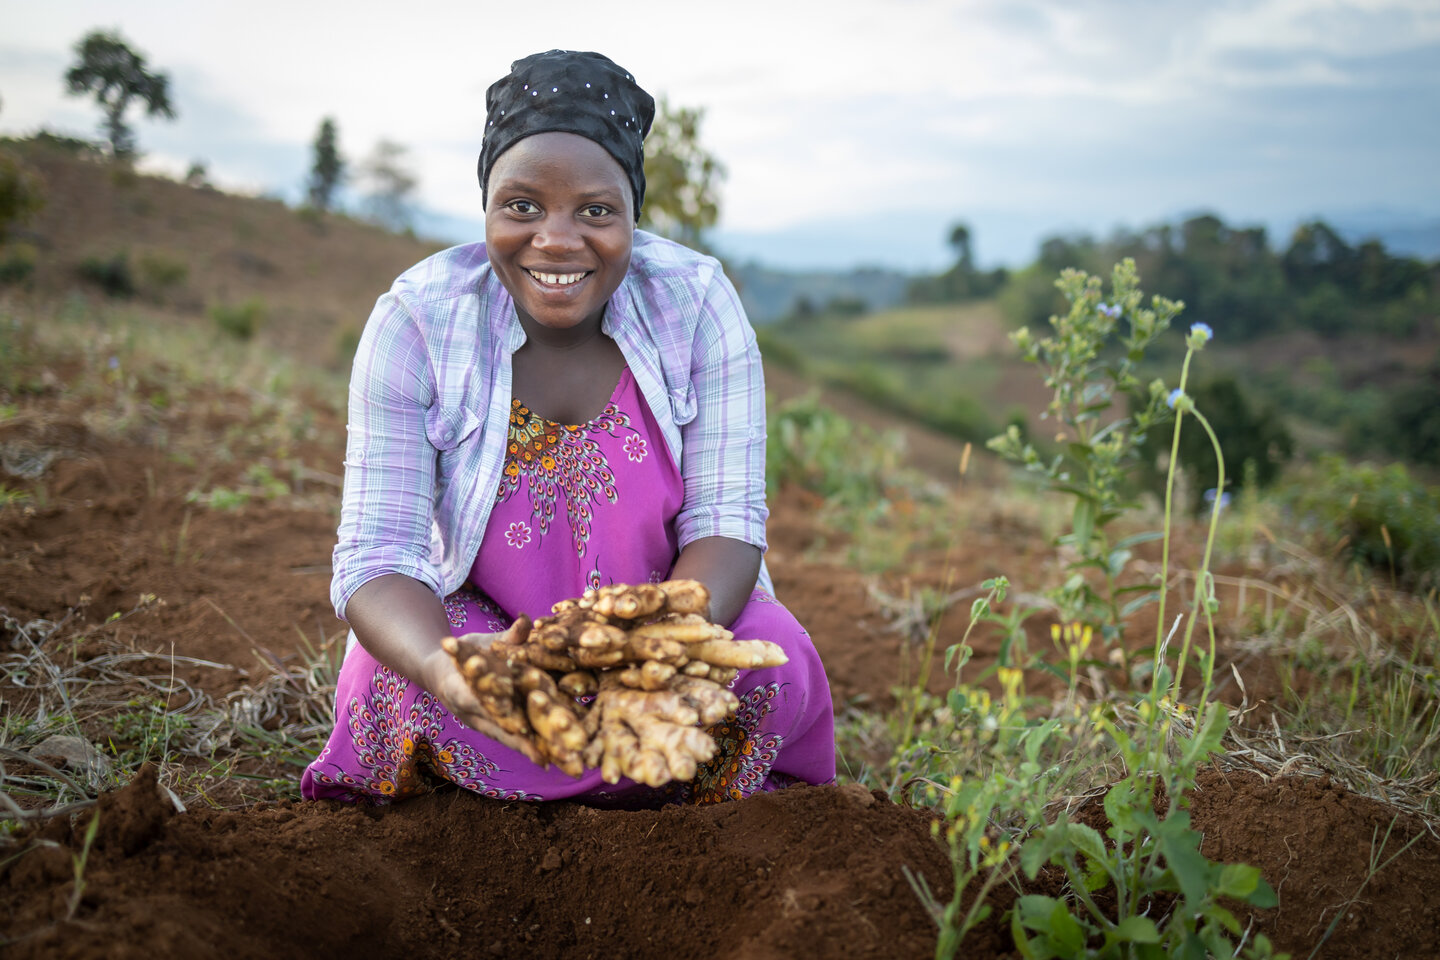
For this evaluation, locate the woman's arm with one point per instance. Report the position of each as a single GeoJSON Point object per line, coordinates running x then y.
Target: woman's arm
{"type": "Point", "coordinates": [721, 527]}
{"type": "Point", "coordinates": [727, 567]}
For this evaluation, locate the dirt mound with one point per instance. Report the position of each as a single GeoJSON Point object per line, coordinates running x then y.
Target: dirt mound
{"type": "Point", "coordinates": [804, 872]}
{"type": "Point", "coordinates": [809, 871]}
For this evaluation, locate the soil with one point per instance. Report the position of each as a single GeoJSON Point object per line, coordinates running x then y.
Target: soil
{"type": "Point", "coordinates": [817, 871]}
{"type": "Point", "coordinates": [109, 540]}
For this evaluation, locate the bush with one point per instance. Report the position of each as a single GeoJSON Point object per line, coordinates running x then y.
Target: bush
{"type": "Point", "coordinates": [1248, 435]}
{"type": "Point", "coordinates": [159, 274]}
{"type": "Point", "coordinates": [18, 265]}
{"type": "Point", "coordinates": [21, 192]}
{"type": "Point", "coordinates": [1384, 518]}
{"type": "Point", "coordinates": [239, 320]}
{"type": "Point", "coordinates": [111, 275]}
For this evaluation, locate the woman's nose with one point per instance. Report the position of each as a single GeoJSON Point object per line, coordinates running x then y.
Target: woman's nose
{"type": "Point", "coordinates": [557, 235]}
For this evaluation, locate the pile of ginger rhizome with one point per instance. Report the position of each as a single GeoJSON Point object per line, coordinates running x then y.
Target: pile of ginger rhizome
{"type": "Point", "coordinates": [626, 678]}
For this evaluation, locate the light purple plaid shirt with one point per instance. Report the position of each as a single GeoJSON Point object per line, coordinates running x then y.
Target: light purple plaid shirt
{"type": "Point", "coordinates": [430, 408]}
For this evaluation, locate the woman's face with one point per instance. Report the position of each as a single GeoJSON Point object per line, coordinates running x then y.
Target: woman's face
{"type": "Point", "coordinates": [559, 228]}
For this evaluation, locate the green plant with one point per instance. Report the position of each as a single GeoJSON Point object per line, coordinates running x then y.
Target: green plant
{"type": "Point", "coordinates": [240, 320]}
{"type": "Point", "coordinates": [18, 265]}
{"type": "Point", "coordinates": [159, 274]}
{"type": "Point", "coordinates": [111, 275]}
{"type": "Point", "coordinates": [1385, 519]}
{"type": "Point", "coordinates": [78, 861]}
{"type": "Point", "coordinates": [1086, 376]}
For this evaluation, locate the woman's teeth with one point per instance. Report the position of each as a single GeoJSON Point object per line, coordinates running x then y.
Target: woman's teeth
{"type": "Point", "coordinates": [558, 278]}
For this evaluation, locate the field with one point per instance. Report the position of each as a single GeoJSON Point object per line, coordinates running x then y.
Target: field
{"type": "Point", "coordinates": [166, 517]}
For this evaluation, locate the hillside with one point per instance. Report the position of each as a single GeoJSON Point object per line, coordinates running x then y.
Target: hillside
{"type": "Point", "coordinates": [168, 499]}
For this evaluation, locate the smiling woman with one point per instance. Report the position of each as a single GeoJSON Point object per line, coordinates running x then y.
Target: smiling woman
{"type": "Point", "coordinates": [570, 404]}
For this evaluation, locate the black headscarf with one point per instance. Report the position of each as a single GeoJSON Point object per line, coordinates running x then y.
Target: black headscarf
{"type": "Point", "coordinates": [569, 92]}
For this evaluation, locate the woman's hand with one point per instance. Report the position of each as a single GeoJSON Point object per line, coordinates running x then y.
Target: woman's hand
{"type": "Point", "coordinates": [442, 677]}
{"type": "Point", "coordinates": [400, 622]}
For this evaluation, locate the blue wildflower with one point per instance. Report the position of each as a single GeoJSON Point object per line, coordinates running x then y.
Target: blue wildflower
{"type": "Point", "coordinates": [114, 363]}
{"type": "Point", "coordinates": [1174, 397]}
{"type": "Point", "coordinates": [1202, 330]}
{"type": "Point", "coordinates": [1110, 310]}
{"type": "Point", "coordinates": [1224, 498]}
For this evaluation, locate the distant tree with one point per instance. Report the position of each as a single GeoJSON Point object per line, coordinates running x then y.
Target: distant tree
{"type": "Point", "coordinates": [198, 176]}
{"type": "Point", "coordinates": [682, 178]}
{"type": "Point", "coordinates": [389, 185]}
{"type": "Point", "coordinates": [960, 243]}
{"type": "Point", "coordinates": [117, 76]}
{"type": "Point", "coordinates": [328, 168]}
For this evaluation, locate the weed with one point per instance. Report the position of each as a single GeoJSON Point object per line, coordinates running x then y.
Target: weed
{"type": "Point", "coordinates": [78, 860]}
{"type": "Point", "coordinates": [241, 320]}
{"type": "Point", "coordinates": [112, 275]}
{"type": "Point", "coordinates": [1097, 455]}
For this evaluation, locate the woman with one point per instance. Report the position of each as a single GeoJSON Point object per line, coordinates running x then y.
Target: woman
{"type": "Point", "coordinates": [569, 404]}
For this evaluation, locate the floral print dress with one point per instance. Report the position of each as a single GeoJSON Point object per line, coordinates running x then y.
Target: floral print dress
{"type": "Point", "coordinates": [578, 506]}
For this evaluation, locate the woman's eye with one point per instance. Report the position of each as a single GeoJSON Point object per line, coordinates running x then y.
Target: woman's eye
{"type": "Point", "coordinates": [522, 206]}
{"type": "Point", "coordinates": [595, 211]}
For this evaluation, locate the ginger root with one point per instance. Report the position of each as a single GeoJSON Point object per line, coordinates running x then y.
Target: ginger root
{"type": "Point", "coordinates": [656, 668]}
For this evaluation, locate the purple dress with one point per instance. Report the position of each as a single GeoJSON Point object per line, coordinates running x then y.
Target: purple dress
{"type": "Point", "coordinates": [578, 506]}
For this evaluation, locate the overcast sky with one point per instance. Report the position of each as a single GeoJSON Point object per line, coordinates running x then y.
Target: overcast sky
{"type": "Point", "coordinates": [853, 132]}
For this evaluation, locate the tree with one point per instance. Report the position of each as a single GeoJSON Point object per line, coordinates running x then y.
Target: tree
{"type": "Point", "coordinates": [389, 185]}
{"type": "Point", "coordinates": [328, 169]}
{"type": "Point", "coordinates": [117, 76]}
{"type": "Point", "coordinates": [682, 178]}
{"type": "Point", "coordinates": [960, 243]}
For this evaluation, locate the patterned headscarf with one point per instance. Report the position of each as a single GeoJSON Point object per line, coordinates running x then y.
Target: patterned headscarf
{"type": "Point", "coordinates": [569, 92]}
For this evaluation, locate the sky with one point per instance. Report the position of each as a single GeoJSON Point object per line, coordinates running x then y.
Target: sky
{"type": "Point", "coordinates": [853, 133]}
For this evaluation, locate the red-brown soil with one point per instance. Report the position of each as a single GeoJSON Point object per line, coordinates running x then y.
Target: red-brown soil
{"type": "Point", "coordinates": [813, 871]}
{"type": "Point", "coordinates": [107, 524]}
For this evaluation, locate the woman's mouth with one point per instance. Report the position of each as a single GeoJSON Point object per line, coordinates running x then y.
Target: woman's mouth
{"type": "Point", "coordinates": [558, 279]}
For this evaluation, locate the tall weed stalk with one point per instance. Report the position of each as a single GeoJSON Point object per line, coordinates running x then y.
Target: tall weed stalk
{"type": "Point", "coordinates": [1140, 888]}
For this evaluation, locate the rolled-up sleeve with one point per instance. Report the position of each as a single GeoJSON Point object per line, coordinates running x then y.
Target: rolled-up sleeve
{"type": "Point", "coordinates": [724, 445]}
{"type": "Point", "coordinates": [390, 463]}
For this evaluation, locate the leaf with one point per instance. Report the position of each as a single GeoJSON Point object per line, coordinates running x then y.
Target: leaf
{"type": "Point", "coordinates": [1152, 597]}
{"type": "Point", "coordinates": [1135, 930]}
{"type": "Point", "coordinates": [1087, 840]}
{"type": "Point", "coordinates": [1117, 560]}
{"type": "Point", "coordinates": [1237, 880]}
{"type": "Point", "coordinates": [1135, 539]}
{"type": "Point", "coordinates": [1181, 848]}
{"type": "Point", "coordinates": [1066, 931]}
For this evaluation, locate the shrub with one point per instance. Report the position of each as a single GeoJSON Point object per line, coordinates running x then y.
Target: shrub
{"type": "Point", "coordinates": [111, 275]}
{"type": "Point", "coordinates": [1385, 519]}
{"type": "Point", "coordinates": [159, 274]}
{"type": "Point", "coordinates": [239, 320]}
{"type": "Point", "coordinates": [21, 192]}
{"type": "Point", "coordinates": [18, 265]}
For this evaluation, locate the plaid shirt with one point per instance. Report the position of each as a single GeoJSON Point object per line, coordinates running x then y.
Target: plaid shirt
{"type": "Point", "coordinates": [430, 409]}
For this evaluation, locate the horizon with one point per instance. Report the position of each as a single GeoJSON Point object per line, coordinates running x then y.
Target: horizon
{"type": "Point", "coordinates": [851, 138]}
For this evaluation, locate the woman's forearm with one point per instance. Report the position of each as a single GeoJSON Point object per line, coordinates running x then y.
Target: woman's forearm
{"type": "Point", "coordinates": [400, 622]}
{"type": "Point", "coordinates": [729, 568]}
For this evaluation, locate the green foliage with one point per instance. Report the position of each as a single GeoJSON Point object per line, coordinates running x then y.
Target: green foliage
{"type": "Point", "coordinates": [117, 76]}
{"type": "Point", "coordinates": [815, 448]}
{"type": "Point", "coordinates": [22, 193]}
{"type": "Point", "coordinates": [240, 320]}
{"type": "Point", "coordinates": [682, 178]}
{"type": "Point", "coordinates": [1247, 436]}
{"type": "Point", "coordinates": [112, 274]}
{"type": "Point", "coordinates": [1230, 278]}
{"type": "Point", "coordinates": [17, 265]}
{"type": "Point", "coordinates": [1409, 421]}
{"type": "Point", "coordinates": [1387, 520]}
{"type": "Point", "coordinates": [160, 275]}
{"type": "Point", "coordinates": [1087, 376]}
{"type": "Point", "coordinates": [962, 281]}
{"type": "Point", "coordinates": [328, 168]}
